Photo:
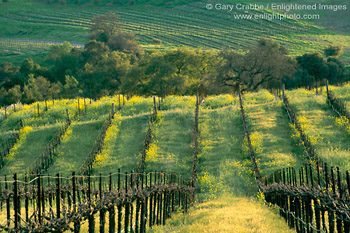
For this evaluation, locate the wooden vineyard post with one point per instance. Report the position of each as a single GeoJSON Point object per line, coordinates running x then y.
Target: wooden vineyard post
{"type": "Point", "coordinates": [38, 109]}
{"type": "Point", "coordinates": [323, 210]}
{"type": "Point", "coordinates": [338, 215]}
{"type": "Point", "coordinates": [327, 88]}
{"type": "Point", "coordinates": [26, 203]}
{"type": "Point", "coordinates": [347, 223]}
{"type": "Point", "coordinates": [15, 202]}
{"type": "Point", "coordinates": [50, 195]}
{"type": "Point", "coordinates": [317, 214]}
{"type": "Point", "coordinates": [113, 109]}
{"type": "Point", "coordinates": [39, 199]}
{"type": "Point", "coordinates": [131, 206]}
{"type": "Point", "coordinates": [150, 202]}
{"type": "Point", "coordinates": [8, 210]}
{"type": "Point", "coordinates": [58, 197]}
{"type": "Point", "coordinates": [78, 106]}
{"type": "Point", "coordinates": [91, 217]}
{"type": "Point", "coordinates": [154, 106]}
{"type": "Point", "coordinates": [155, 200]}
{"type": "Point", "coordinates": [143, 207]}
{"type": "Point", "coordinates": [74, 190]}
{"type": "Point", "coordinates": [126, 219]}
{"type": "Point", "coordinates": [67, 113]}
{"type": "Point", "coordinates": [159, 204]}
{"type": "Point", "coordinates": [42, 199]}
{"type": "Point", "coordinates": [318, 174]}
{"type": "Point", "coordinates": [137, 207]}
{"type": "Point", "coordinates": [164, 201]}
{"type": "Point", "coordinates": [119, 206]}
{"type": "Point", "coordinates": [102, 212]}
{"type": "Point", "coordinates": [46, 105]}
{"type": "Point", "coordinates": [330, 211]}
{"type": "Point", "coordinates": [111, 210]}
{"type": "Point", "coordinates": [311, 176]}
{"type": "Point", "coordinates": [159, 103]}
{"type": "Point", "coordinates": [76, 223]}
{"type": "Point", "coordinates": [5, 111]}
{"type": "Point", "coordinates": [173, 196]}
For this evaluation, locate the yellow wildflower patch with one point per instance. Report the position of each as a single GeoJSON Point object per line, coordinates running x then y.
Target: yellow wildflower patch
{"type": "Point", "coordinates": [23, 132]}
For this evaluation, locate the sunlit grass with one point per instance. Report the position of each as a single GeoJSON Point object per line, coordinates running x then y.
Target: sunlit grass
{"type": "Point", "coordinates": [28, 149]}
{"type": "Point", "coordinates": [72, 153]}
{"type": "Point", "coordinates": [125, 147]}
{"type": "Point", "coordinates": [223, 166]}
{"type": "Point", "coordinates": [227, 214]}
{"type": "Point", "coordinates": [271, 133]}
{"type": "Point", "coordinates": [319, 122]}
{"type": "Point", "coordinates": [171, 149]}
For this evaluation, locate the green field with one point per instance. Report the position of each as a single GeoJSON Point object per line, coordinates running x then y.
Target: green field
{"type": "Point", "coordinates": [319, 122]}
{"type": "Point", "coordinates": [225, 179]}
{"type": "Point", "coordinates": [29, 26]}
{"type": "Point", "coordinates": [270, 133]}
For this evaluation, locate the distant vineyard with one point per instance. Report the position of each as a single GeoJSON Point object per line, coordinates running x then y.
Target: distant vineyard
{"type": "Point", "coordinates": [189, 25]}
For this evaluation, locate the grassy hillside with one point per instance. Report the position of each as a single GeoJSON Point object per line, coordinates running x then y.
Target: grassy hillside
{"type": "Point", "coordinates": [75, 147]}
{"type": "Point", "coordinates": [320, 124]}
{"type": "Point", "coordinates": [26, 23]}
{"type": "Point", "coordinates": [171, 149]}
{"type": "Point", "coordinates": [226, 192]}
{"type": "Point", "coordinates": [271, 133]}
{"type": "Point", "coordinates": [127, 129]}
{"type": "Point", "coordinates": [30, 146]}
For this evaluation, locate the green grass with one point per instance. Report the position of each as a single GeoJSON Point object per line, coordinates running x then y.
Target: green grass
{"type": "Point", "coordinates": [29, 150]}
{"type": "Point", "coordinates": [183, 24]}
{"type": "Point", "coordinates": [178, 102]}
{"type": "Point", "coordinates": [227, 214]}
{"type": "Point", "coordinates": [124, 150]}
{"type": "Point", "coordinates": [171, 149]}
{"type": "Point", "coordinates": [223, 166]}
{"type": "Point", "coordinates": [212, 102]}
{"type": "Point", "coordinates": [75, 148]}
{"type": "Point", "coordinates": [342, 93]}
{"type": "Point", "coordinates": [137, 105]}
{"type": "Point", "coordinates": [29, 113]}
{"type": "Point", "coordinates": [319, 122]}
{"type": "Point", "coordinates": [271, 134]}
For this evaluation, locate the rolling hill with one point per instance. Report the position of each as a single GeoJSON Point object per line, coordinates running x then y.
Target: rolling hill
{"type": "Point", "coordinates": [29, 27]}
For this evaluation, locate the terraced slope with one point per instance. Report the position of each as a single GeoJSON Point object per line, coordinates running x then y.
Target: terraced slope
{"type": "Point", "coordinates": [318, 121]}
